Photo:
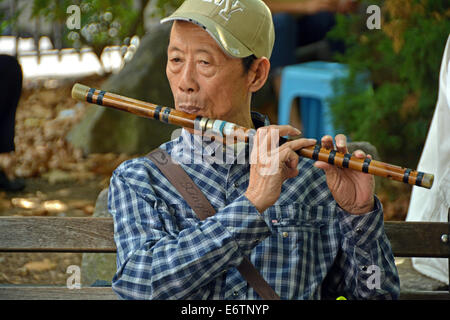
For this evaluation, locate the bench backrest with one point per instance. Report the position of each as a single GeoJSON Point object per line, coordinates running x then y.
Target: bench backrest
{"type": "Point", "coordinates": [75, 234]}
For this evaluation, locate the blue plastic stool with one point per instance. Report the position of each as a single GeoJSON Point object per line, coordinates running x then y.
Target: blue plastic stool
{"type": "Point", "coordinates": [312, 83]}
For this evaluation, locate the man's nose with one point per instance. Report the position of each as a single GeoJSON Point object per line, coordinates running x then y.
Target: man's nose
{"type": "Point", "coordinates": [188, 80]}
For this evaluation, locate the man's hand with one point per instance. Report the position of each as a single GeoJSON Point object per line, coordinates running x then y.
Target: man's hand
{"type": "Point", "coordinates": [271, 164]}
{"type": "Point", "coordinates": [352, 190]}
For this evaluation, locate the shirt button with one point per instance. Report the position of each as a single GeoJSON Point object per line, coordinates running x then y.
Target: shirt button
{"type": "Point", "coordinates": [285, 234]}
{"type": "Point", "coordinates": [358, 230]}
{"type": "Point", "coordinates": [236, 185]}
{"type": "Point", "coordinates": [364, 268]}
{"type": "Point", "coordinates": [235, 293]}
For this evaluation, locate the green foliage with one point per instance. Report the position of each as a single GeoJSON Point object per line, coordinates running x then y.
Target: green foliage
{"type": "Point", "coordinates": [402, 61]}
{"type": "Point", "coordinates": [7, 22]}
{"type": "Point", "coordinates": [164, 7]}
{"type": "Point", "coordinates": [3, 23]}
{"type": "Point", "coordinates": [103, 22]}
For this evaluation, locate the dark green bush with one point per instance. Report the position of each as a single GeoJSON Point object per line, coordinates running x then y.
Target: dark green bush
{"type": "Point", "coordinates": [402, 60]}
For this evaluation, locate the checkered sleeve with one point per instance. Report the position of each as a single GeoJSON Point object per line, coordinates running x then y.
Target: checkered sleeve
{"type": "Point", "coordinates": [364, 267]}
{"type": "Point", "coordinates": [157, 260]}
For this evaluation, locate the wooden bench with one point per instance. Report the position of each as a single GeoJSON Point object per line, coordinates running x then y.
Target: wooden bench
{"type": "Point", "coordinates": [71, 234]}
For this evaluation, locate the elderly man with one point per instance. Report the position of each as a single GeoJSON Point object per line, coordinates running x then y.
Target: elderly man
{"type": "Point", "coordinates": [313, 231]}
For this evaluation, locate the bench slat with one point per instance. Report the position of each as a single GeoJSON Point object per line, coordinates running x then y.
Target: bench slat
{"type": "Point", "coordinates": [425, 295]}
{"type": "Point", "coordinates": [56, 234]}
{"type": "Point", "coordinates": [418, 239]}
{"type": "Point", "coordinates": [56, 293]}
{"type": "Point", "coordinates": [106, 293]}
{"type": "Point", "coordinates": [75, 234]}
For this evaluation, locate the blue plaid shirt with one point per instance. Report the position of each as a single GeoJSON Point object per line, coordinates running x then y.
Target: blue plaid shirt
{"type": "Point", "coordinates": [305, 245]}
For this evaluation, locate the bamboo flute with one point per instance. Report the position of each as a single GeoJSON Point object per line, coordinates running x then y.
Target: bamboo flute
{"type": "Point", "coordinates": [223, 128]}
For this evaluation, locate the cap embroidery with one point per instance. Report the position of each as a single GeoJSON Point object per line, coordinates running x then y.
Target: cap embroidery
{"type": "Point", "coordinates": [228, 9]}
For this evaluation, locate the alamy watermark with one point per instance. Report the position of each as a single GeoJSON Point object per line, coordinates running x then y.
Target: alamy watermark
{"type": "Point", "coordinates": [74, 19]}
{"type": "Point", "coordinates": [211, 148]}
{"type": "Point", "coordinates": [374, 20]}
{"type": "Point", "coordinates": [74, 280]}
{"type": "Point", "coordinates": [374, 280]}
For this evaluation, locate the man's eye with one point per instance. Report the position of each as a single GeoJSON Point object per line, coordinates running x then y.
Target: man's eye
{"type": "Point", "coordinates": [204, 62]}
{"type": "Point", "coordinates": [175, 60]}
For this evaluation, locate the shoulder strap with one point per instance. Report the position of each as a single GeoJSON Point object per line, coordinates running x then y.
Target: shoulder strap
{"type": "Point", "coordinates": [203, 208]}
{"type": "Point", "coordinates": [183, 183]}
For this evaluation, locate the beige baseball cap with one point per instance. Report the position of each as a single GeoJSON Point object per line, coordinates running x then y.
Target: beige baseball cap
{"type": "Point", "coordinates": [240, 27]}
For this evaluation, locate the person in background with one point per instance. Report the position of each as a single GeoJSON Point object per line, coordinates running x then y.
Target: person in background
{"type": "Point", "coordinates": [434, 204]}
{"type": "Point", "coordinates": [302, 22]}
{"type": "Point", "coordinates": [11, 88]}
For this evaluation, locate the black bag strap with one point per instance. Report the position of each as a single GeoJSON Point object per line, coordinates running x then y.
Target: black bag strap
{"type": "Point", "coordinates": [203, 208]}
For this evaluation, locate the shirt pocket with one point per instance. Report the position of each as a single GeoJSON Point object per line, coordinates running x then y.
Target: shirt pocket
{"type": "Point", "coordinates": [299, 226]}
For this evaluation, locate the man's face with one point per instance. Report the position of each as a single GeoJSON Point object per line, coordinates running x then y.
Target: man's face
{"type": "Point", "coordinates": [203, 79]}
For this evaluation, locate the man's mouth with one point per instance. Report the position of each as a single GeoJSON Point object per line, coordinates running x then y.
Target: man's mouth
{"type": "Point", "coordinates": [189, 109]}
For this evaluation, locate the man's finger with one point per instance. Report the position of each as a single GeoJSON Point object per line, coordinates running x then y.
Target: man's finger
{"type": "Point", "coordinates": [341, 143]}
{"type": "Point", "coordinates": [287, 130]}
{"type": "Point", "coordinates": [327, 142]}
{"type": "Point", "coordinates": [299, 143]}
{"type": "Point", "coordinates": [289, 160]}
{"type": "Point", "coordinates": [329, 169]}
{"type": "Point", "coordinates": [268, 137]}
{"type": "Point", "coordinates": [289, 157]}
{"type": "Point", "coordinates": [359, 154]}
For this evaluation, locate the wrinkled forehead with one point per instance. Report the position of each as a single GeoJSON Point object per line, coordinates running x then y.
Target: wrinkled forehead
{"type": "Point", "coordinates": [185, 33]}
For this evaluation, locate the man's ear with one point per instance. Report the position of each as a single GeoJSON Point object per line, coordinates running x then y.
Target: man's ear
{"type": "Point", "coordinates": [258, 73]}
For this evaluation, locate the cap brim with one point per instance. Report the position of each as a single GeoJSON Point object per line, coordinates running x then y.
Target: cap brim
{"type": "Point", "coordinates": [225, 39]}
